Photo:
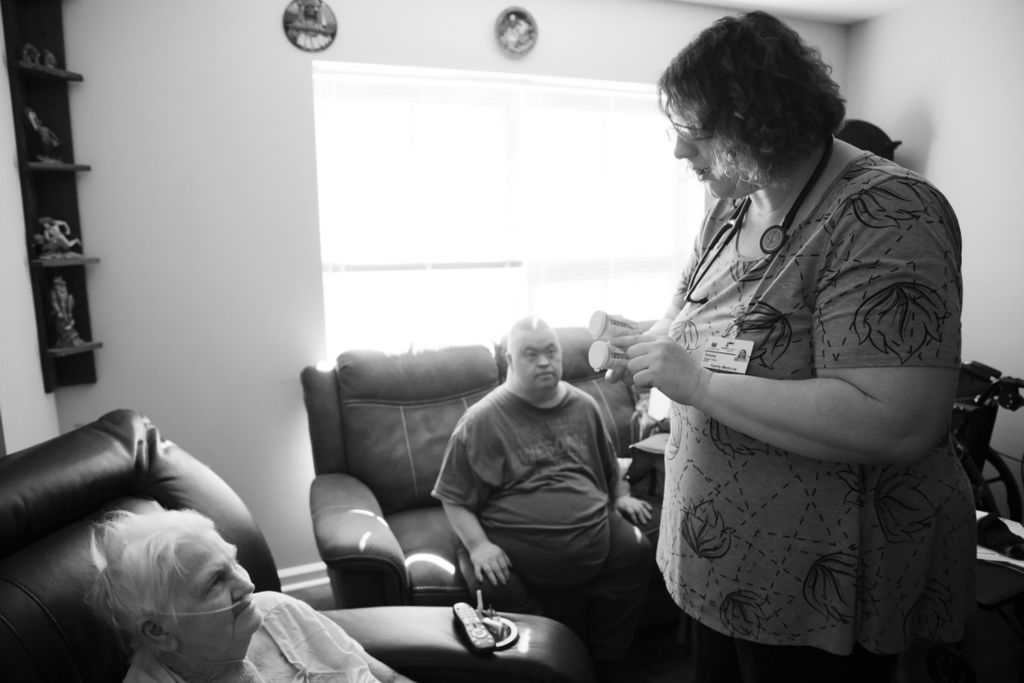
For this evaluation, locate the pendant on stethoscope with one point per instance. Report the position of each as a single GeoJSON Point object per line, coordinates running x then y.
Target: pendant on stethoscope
{"type": "Point", "coordinates": [772, 239]}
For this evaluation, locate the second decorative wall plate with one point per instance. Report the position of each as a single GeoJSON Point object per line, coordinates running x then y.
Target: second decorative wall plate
{"type": "Point", "coordinates": [310, 25]}
{"type": "Point", "coordinates": [516, 31]}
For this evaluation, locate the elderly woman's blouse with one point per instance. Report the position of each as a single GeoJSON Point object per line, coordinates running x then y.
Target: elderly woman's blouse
{"type": "Point", "coordinates": [769, 546]}
{"type": "Point", "coordinates": [295, 644]}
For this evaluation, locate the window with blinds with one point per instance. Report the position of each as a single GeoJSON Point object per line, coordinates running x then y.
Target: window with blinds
{"type": "Point", "coordinates": [453, 203]}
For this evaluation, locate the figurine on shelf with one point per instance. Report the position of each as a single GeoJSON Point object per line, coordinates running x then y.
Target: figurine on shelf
{"type": "Point", "coordinates": [62, 303]}
{"type": "Point", "coordinates": [33, 56]}
{"type": "Point", "coordinates": [30, 54]}
{"type": "Point", "coordinates": [49, 139]}
{"type": "Point", "coordinates": [56, 241]}
{"type": "Point", "coordinates": [50, 60]}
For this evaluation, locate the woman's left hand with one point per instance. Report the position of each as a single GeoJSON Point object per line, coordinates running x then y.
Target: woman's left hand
{"type": "Point", "coordinates": [663, 363]}
{"type": "Point", "coordinates": [635, 510]}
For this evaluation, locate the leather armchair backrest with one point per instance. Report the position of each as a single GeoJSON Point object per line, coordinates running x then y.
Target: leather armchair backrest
{"type": "Point", "coordinates": [50, 494]}
{"type": "Point", "coordinates": [386, 419]}
{"type": "Point", "coordinates": [398, 412]}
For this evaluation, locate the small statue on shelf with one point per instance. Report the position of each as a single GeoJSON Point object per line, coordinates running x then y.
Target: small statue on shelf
{"type": "Point", "coordinates": [62, 304]}
{"type": "Point", "coordinates": [50, 141]}
{"type": "Point", "coordinates": [50, 60]}
{"type": "Point", "coordinates": [30, 54]}
{"type": "Point", "coordinates": [56, 241]}
{"type": "Point", "coordinates": [33, 56]}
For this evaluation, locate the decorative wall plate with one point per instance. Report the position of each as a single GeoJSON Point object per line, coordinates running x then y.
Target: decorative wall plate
{"type": "Point", "coordinates": [516, 31]}
{"type": "Point", "coordinates": [310, 25]}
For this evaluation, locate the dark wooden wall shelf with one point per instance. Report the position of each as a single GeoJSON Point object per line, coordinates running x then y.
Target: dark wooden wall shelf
{"type": "Point", "coordinates": [64, 261]}
{"type": "Point", "coordinates": [57, 167]}
{"type": "Point", "coordinates": [30, 70]}
{"type": "Point", "coordinates": [72, 350]}
{"type": "Point", "coordinates": [34, 36]}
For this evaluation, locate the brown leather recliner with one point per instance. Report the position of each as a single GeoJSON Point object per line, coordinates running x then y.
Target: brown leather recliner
{"type": "Point", "coordinates": [379, 425]}
{"type": "Point", "coordinates": [50, 494]}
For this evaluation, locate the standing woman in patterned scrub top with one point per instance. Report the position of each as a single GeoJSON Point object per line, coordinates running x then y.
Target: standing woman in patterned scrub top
{"type": "Point", "coordinates": [815, 517]}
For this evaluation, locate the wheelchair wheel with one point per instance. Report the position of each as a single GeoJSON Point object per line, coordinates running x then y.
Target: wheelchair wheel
{"type": "Point", "coordinates": [946, 666]}
{"type": "Point", "coordinates": [984, 499]}
{"type": "Point", "coordinates": [1004, 477]}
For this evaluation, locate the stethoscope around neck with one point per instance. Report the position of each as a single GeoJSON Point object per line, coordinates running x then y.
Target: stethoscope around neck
{"type": "Point", "coordinates": [771, 240]}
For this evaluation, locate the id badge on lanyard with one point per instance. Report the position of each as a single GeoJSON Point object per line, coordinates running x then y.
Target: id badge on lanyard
{"type": "Point", "coordinates": [727, 354]}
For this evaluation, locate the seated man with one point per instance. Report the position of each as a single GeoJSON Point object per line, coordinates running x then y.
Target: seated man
{"type": "Point", "coordinates": [531, 485]}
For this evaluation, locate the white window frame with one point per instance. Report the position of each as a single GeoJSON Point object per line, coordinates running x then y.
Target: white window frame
{"type": "Point", "coordinates": [615, 251]}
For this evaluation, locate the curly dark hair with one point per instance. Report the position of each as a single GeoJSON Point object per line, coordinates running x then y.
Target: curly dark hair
{"type": "Point", "coordinates": [765, 96]}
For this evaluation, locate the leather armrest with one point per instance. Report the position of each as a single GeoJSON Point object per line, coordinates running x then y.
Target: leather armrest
{"type": "Point", "coordinates": [424, 644]}
{"type": "Point", "coordinates": [350, 530]}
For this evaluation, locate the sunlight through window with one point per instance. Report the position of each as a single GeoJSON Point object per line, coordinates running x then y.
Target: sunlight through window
{"type": "Point", "coordinates": [452, 203]}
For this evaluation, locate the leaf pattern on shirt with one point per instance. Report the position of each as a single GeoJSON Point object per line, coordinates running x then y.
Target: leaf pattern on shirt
{"type": "Point", "coordinates": [676, 419]}
{"type": "Point", "coordinates": [733, 443]}
{"type": "Point", "coordinates": [748, 271]}
{"type": "Point", "coordinates": [685, 332]}
{"type": "Point", "coordinates": [892, 205]}
{"type": "Point", "coordinates": [742, 613]}
{"type": "Point", "coordinates": [853, 477]}
{"type": "Point", "coordinates": [830, 586]}
{"type": "Point", "coordinates": [704, 530]}
{"type": "Point", "coordinates": [900, 319]}
{"type": "Point", "coordinates": [901, 506]}
{"type": "Point", "coordinates": [761, 317]}
{"type": "Point", "coordinates": [931, 613]}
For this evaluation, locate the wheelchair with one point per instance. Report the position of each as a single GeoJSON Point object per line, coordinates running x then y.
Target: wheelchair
{"type": "Point", "coordinates": [981, 392]}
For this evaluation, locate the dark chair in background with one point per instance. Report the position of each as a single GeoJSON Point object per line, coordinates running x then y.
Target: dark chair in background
{"type": "Point", "coordinates": [378, 426]}
{"type": "Point", "coordinates": [51, 494]}
{"type": "Point", "coordinates": [868, 137]}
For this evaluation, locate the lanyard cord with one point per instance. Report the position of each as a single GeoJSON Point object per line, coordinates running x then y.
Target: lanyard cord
{"type": "Point", "coordinates": [732, 226]}
{"type": "Point", "coordinates": [772, 239]}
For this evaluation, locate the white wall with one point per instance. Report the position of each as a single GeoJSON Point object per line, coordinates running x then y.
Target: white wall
{"type": "Point", "coordinates": [29, 414]}
{"type": "Point", "coordinates": [947, 78]}
{"type": "Point", "coordinates": [197, 120]}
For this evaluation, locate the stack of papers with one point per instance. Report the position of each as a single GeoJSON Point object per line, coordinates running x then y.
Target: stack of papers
{"type": "Point", "coordinates": [991, 556]}
{"type": "Point", "coordinates": [655, 443]}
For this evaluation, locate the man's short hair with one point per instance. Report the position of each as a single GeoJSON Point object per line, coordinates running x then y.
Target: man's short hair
{"type": "Point", "coordinates": [530, 323]}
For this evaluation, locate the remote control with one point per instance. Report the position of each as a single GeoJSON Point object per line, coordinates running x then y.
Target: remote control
{"type": "Point", "coordinates": [473, 629]}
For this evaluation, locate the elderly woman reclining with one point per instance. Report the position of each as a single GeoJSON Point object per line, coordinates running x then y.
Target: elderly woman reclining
{"type": "Point", "coordinates": [172, 584]}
